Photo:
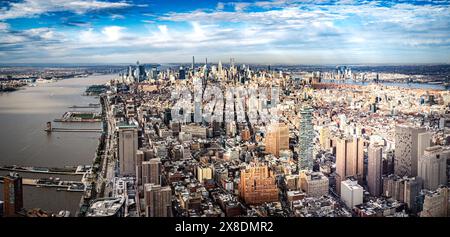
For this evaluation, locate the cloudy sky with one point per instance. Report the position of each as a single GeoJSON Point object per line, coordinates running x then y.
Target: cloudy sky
{"type": "Point", "coordinates": [270, 31]}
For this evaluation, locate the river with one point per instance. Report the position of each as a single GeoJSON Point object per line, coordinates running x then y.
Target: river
{"type": "Point", "coordinates": [23, 141]}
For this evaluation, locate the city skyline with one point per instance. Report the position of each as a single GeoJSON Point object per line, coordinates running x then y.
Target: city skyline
{"type": "Point", "coordinates": [266, 32]}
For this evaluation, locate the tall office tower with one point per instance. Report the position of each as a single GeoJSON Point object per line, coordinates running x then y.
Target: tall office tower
{"type": "Point", "coordinates": [406, 150]}
{"type": "Point", "coordinates": [277, 138]}
{"type": "Point", "coordinates": [349, 160]}
{"type": "Point", "coordinates": [375, 169]}
{"type": "Point", "coordinates": [151, 171]}
{"type": "Point", "coordinates": [140, 157]}
{"type": "Point", "coordinates": [433, 167]}
{"type": "Point", "coordinates": [12, 194]}
{"type": "Point", "coordinates": [128, 145]}
{"type": "Point", "coordinates": [258, 185]}
{"type": "Point", "coordinates": [351, 193]}
{"type": "Point", "coordinates": [220, 69]}
{"type": "Point", "coordinates": [306, 139]}
{"type": "Point", "coordinates": [182, 73]}
{"type": "Point", "coordinates": [158, 200]}
{"type": "Point", "coordinates": [435, 203]}
{"type": "Point", "coordinates": [193, 63]}
{"type": "Point", "coordinates": [154, 73]}
{"type": "Point", "coordinates": [424, 141]}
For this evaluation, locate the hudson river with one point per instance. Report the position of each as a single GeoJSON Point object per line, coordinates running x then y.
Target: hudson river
{"type": "Point", "coordinates": [23, 141]}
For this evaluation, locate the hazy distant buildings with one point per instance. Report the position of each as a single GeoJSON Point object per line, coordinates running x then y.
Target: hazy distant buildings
{"type": "Point", "coordinates": [128, 145]}
{"type": "Point", "coordinates": [158, 200]}
{"type": "Point", "coordinates": [306, 139]}
{"type": "Point", "coordinates": [277, 138]}
{"type": "Point", "coordinates": [349, 160]}
{"type": "Point", "coordinates": [433, 167]}
{"type": "Point", "coordinates": [258, 185]}
{"type": "Point", "coordinates": [375, 169]}
{"type": "Point", "coordinates": [407, 149]}
{"type": "Point", "coordinates": [12, 195]}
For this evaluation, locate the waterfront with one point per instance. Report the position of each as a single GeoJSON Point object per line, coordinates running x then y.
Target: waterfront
{"type": "Point", "coordinates": [23, 117]}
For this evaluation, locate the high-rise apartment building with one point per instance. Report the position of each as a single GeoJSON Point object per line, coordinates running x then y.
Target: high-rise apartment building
{"type": "Point", "coordinates": [402, 189]}
{"type": "Point", "coordinates": [349, 159]}
{"type": "Point", "coordinates": [12, 195]}
{"type": "Point", "coordinates": [375, 169]}
{"type": "Point", "coordinates": [128, 145]}
{"type": "Point", "coordinates": [277, 138]}
{"type": "Point", "coordinates": [151, 171]}
{"type": "Point", "coordinates": [158, 200]}
{"type": "Point", "coordinates": [306, 139]}
{"type": "Point", "coordinates": [432, 168]}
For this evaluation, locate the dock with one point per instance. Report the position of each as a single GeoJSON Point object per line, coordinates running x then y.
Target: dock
{"type": "Point", "coordinates": [50, 129]}
{"type": "Point", "coordinates": [75, 130]}
{"type": "Point", "coordinates": [69, 186]}
{"type": "Point", "coordinates": [80, 170]}
{"type": "Point", "coordinates": [89, 106]}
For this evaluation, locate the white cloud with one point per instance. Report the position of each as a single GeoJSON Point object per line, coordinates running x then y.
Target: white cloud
{"type": "Point", "coordinates": [33, 8]}
{"type": "Point", "coordinates": [220, 6]}
{"type": "Point", "coordinates": [113, 33]}
{"type": "Point", "coordinates": [43, 33]}
{"type": "Point", "coordinates": [240, 6]}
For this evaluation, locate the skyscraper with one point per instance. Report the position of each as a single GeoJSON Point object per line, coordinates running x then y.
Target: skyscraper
{"type": "Point", "coordinates": [158, 201]}
{"type": "Point", "coordinates": [349, 159]}
{"type": "Point", "coordinates": [128, 145]}
{"type": "Point", "coordinates": [277, 138]}
{"type": "Point", "coordinates": [12, 194]}
{"type": "Point", "coordinates": [375, 169]}
{"type": "Point", "coordinates": [151, 171]}
{"type": "Point", "coordinates": [306, 139]}
{"type": "Point", "coordinates": [182, 73]}
{"type": "Point", "coordinates": [407, 150]}
{"type": "Point", "coordinates": [432, 167]}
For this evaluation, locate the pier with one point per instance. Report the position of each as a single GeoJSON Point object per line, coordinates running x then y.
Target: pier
{"type": "Point", "coordinates": [89, 106]}
{"type": "Point", "coordinates": [69, 186]}
{"type": "Point", "coordinates": [80, 170]}
{"type": "Point", "coordinates": [50, 129]}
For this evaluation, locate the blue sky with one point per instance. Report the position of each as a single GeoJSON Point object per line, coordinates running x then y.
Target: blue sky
{"type": "Point", "coordinates": [269, 31]}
